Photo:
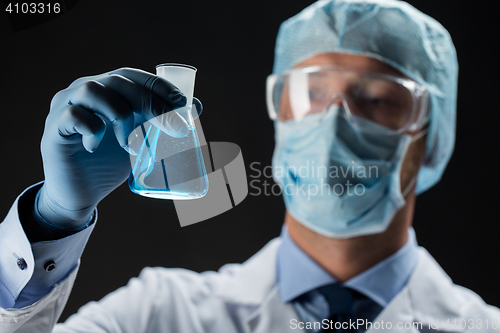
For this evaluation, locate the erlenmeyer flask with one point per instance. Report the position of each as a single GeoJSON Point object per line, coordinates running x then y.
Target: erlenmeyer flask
{"type": "Point", "coordinates": [167, 167]}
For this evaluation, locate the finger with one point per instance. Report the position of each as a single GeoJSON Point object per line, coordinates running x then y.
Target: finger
{"type": "Point", "coordinates": [78, 82]}
{"type": "Point", "coordinates": [159, 86]}
{"type": "Point", "coordinates": [148, 104]}
{"type": "Point", "coordinates": [140, 99]}
{"type": "Point", "coordinates": [76, 120]}
{"type": "Point", "coordinates": [94, 96]}
{"type": "Point", "coordinates": [197, 108]}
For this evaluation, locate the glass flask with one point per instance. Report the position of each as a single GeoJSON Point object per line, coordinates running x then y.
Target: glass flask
{"type": "Point", "coordinates": [166, 166]}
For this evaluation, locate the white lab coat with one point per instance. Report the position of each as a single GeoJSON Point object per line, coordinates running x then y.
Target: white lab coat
{"type": "Point", "coordinates": [241, 298]}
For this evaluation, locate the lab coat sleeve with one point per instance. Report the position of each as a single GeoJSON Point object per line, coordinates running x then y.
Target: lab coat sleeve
{"type": "Point", "coordinates": [167, 300]}
{"type": "Point", "coordinates": [28, 291]}
{"type": "Point", "coordinates": [159, 300]}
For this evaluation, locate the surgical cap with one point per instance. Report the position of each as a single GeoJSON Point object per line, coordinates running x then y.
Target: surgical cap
{"type": "Point", "coordinates": [397, 34]}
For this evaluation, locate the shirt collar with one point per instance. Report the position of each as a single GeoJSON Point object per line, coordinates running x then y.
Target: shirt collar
{"type": "Point", "coordinates": [297, 273]}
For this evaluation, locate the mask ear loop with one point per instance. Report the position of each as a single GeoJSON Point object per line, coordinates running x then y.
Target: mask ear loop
{"type": "Point", "coordinates": [414, 178]}
{"type": "Point", "coordinates": [409, 186]}
{"type": "Point", "coordinates": [419, 135]}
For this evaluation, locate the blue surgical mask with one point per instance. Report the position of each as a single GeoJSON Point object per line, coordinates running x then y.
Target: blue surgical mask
{"type": "Point", "coordinates": [337, 180]}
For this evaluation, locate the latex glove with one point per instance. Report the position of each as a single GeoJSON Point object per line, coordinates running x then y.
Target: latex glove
{"type": "Point", "coordinates": [84, 145]}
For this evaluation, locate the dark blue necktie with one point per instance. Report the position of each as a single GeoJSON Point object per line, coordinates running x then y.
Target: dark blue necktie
{"type": "Point", "coordinates": [341, 303]}
{"type": "Point", "coordinates": [346, 306]}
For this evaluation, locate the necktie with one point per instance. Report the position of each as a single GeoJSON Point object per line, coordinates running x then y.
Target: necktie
{"type": "Point", "coordinates": [346, 306]}
{"type": "Point", "coordinates": [341, 303]}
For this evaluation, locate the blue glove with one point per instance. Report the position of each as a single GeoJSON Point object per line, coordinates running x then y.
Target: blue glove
{"type": "Point", "coordinates": [84, 144]}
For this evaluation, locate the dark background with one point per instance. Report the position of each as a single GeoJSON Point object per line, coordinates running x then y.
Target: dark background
{"type": "Point", "coordinates": [231, 44]}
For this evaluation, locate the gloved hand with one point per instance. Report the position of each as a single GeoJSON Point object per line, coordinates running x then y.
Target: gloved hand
{"type": "Point", "coordinates": [84, 145]}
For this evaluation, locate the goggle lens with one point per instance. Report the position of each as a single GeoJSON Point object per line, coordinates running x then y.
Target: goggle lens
{"type": "Point", "coordinates": [388, 101]}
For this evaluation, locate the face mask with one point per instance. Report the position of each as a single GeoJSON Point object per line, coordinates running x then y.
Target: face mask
{"type": "Point", "coordinates": [337, 180]}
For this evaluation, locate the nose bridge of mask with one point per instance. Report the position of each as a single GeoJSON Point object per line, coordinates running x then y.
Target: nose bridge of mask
{"type": "Point", "coordinates": [339, 97]}
{"type": "Point", "coordinates": [376, 145]}
{"type": "Point", "coordinates": [334, 108]}
{"type": "Point", "coordinates": [345, 144]}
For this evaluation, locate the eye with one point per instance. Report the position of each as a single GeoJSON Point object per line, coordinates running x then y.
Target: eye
{"type": "Point", "coordinates": [375, 101]}
{"type": "Point", "coordinates": [380, 102]}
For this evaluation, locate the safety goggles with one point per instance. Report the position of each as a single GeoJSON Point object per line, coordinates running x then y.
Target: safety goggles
{"type": "Point", "coordinates": [399, 104]}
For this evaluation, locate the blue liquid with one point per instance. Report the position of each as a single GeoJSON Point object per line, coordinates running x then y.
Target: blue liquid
{"type": "Point", "coordinates": [168, 167]}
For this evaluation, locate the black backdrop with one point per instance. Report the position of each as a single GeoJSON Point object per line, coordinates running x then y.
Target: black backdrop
{"type": "Point", "coordinates": [231, 44]}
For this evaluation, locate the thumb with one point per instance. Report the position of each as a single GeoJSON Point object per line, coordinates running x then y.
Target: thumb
{"type": "Point", "coordinates": [171, 123]}
{"type": "Point", "coordinates": [197, 108]}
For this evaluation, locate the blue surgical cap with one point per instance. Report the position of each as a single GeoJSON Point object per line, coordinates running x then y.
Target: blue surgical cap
{"type": "Point", "coordinates": [397, 34]}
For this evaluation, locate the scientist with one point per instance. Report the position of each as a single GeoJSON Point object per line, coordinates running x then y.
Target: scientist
{"type": "Point", "coordinates": [361, 84]}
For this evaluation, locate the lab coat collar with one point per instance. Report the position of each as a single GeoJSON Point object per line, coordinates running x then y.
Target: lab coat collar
{"type": "Point", "coordinates": [272, 316]}
{"type": "Point", "coordinates": [254, 284]}
{"type": "Point", "coordinates": [251, 282]}
{"type": "Point", "coordinates": [433, 293]}
{"type": "Point", "coordinates": [428, 297]}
